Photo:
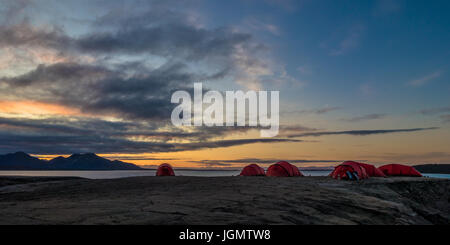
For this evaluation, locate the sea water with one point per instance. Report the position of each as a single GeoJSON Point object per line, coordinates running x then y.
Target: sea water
{"type": "Point", "coordinates": [134, 173]}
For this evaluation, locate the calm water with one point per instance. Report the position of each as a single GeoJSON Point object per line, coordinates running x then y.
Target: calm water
{"type": "Point", "coordinates": [131, 173]}
{"type": "Point", "coordinates": [443, 176]}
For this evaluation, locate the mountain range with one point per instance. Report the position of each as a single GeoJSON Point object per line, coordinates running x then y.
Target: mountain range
{"type": "Point", "coordinates": [90, 161]}
{"type": "Point", "coordinates": [87, 161]}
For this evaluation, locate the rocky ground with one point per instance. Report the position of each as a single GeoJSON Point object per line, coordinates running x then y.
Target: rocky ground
{"type": "Point", "coordinates": [224, 200]}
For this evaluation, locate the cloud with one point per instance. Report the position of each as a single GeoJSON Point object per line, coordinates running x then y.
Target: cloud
{"type": "Point", "coordinates": [425, 79]}
{"type": "Point", "coordinates": [365, 117]}
{"type": "Point", "coordinates": [296, 128]}
{"type": "Point", "coordinates": [168, 40]}
{"type": "Point", "coordinates": [97, 89]}
{"type": "Point", "coordinates": [228, 143]}
{"type": "Point", "coordinates": [360, 132]}
{"type": "Point", "coordinates": [350, 41]}
{"type": "Point", "coordinates": [318, 111]}
{"type": "Point", "coordinates": [258, 25]}
{"type": "Point", "coordinates": [11, 10]}
{"type": "Point", "coordinates": [305, 70]}
{"type": "Point", "coordinates": [137, 61]}
{"type": "Point", "coordinates": [67, 144]}
{"type": "Point", "coordinates": [366, 89]}
{"type": "Point", "coordinates": [157, 33]}
{"type": "Point", "coordinates": [213, 163]}
{"type": "Point", "coordinates": [24, 34]}
{"type": "Point", "coordinates": [434, 111]}
{"type": "Point", "coordinates": [66, 136]}
{"type": "Point", "coordinates": [423, 157]}
{"type": "Point", "coordinates": [325, 110]}
{"type": "Point", "coordinates": [154, 130]}
{"type": "Point", "coordinates": [446, 118]}
{"type": "Point", "coordinates": [262, 161]}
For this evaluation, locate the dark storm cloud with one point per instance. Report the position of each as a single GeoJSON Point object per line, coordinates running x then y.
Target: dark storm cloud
{"type": "Point", "coordinates": [168, 40]}
{"type": "Point", "coordinates": [360, 132]}
{"type": "Point", "coordinates": [162, 31]}
{"type": "Point", "coordinates": [159, 32]}
{"type": "Point", "coordinates": [44, 126]}
{"type": "Point", "coordinates": [96, 89]}
{"type": "Point", "coordinates": [58, 75]}
{"type": "Point", "coordinates": [127, 89]}
{"type": "Point", "coordinates": [24, 34]}
{"type": "Point", "coordinates": [80, 126]}
{"type": "Point", "coordinates": [66, 136]}
{"type": "Point", "coordinates": [67, 144]}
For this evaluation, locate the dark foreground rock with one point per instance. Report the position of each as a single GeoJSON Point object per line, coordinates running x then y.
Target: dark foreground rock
{"type": "Point", "coordinates": [226, 200]}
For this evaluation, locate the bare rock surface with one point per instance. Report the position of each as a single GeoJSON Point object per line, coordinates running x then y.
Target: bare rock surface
{"type": "Point", "coordinates": [224, 200]}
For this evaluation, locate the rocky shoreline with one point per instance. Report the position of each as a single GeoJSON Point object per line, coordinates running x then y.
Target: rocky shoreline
{"type": "Point", "coordinates": [223, 200]}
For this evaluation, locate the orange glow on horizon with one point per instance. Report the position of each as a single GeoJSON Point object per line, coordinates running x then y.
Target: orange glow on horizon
{"type": "Point", "coordinates": [27, 107]}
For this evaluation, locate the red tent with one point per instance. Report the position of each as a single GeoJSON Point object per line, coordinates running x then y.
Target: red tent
{"type": "Point", "coordinates": [399, 170]}
{"type": "Point", "coordinates": [342, 170]}
{"type": "Point", "coordinates": [371, 170]}
{"type": "Point", "coordinates": [283, 169]}
{"type": "Point", "coordinates": [296, 170]}
{"type": "Point", "coordinates": [252, 170]}
{"type": "Point", "coordinates": [165, 170]}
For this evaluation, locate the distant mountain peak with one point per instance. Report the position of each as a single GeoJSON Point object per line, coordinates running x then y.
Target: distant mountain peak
{"type": "Point", "coordinates": [20, 153]}
{"type": "Point", "coordinates": [77, 161]}
{"type": "Point", "coordinates": [21, 161]}
{"type": "Point", "coordinates": [84, 155]}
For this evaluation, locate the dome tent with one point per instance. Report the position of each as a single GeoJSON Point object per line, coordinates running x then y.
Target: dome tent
{"type": "Point", "coordinates": [283, 169]}
{"type": "Point", "coordinates": [349, 170]}
{"type": "Point", "coordinates": [296, 171]}
{"type": "Point", "coordinates": [252, 170]}
{"type": "Point", "coordinates": [399, 170]}
{"type": "Point", "coordinates": [371, 170]}
{"type": "Point", "coordinates": [165, 170]}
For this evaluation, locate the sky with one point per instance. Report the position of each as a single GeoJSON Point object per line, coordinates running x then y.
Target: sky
{"type": "Point", "coordinates": [358, 80]}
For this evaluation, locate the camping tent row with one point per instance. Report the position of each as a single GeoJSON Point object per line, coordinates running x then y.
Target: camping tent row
{"type": "Point", "coordinates": [347, 170]}
{"type": "Point", "coordinates": [279, 169]}
{"type": "Point", "coordinates": [356, 171]}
